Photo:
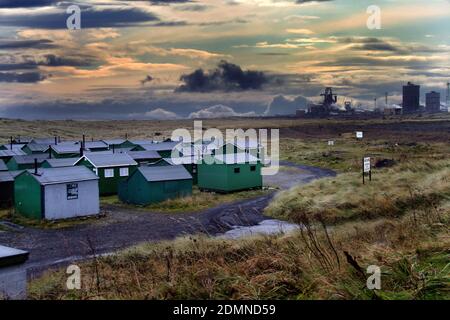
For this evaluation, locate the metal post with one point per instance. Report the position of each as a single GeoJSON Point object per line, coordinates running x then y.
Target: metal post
{"type": "Point", "coordinates": [363, 174]}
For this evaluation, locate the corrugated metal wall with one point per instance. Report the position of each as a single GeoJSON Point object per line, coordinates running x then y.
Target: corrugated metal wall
{"type": "Point", "coordinates": [57, 206]}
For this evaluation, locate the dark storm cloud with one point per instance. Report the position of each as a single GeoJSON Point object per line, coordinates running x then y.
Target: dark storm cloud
{"type": "Point", "coordinates": [26, 44]}
{"type": "Point", "coordinates": [25, 3]}
{"type": "Point", "coordinates": [18, 66]}
{"type": "Point", "coordinates": [48, 60]}
{"type": "Point", "coordinates": [378, 47]}
{"type": "Point", "coordinates": [22, 77]}
{"type": "Point", "coordinates": [226, 77]}
{"type": "Point", "coordinates": [170, 24]}
{"type": "Point", "coordinates": [91, 17]}
{"type": "Point", "coordinates": [359, 40]}
{"type": "Point", "coordinates": [220, 23]}
{"type": "Point", "coordinates": [52, 60]}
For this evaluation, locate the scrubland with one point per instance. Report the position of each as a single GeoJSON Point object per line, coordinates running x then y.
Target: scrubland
{"type": "Point", "coordinates": [399, 222]}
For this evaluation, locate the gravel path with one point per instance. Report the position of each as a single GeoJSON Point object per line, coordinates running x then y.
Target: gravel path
{"type": "Point", "coordinates": [124, 227]}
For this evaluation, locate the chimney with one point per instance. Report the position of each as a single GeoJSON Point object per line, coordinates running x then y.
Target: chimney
{"type": "Point", "coordinates": [83, 144]}
{"type": "Point", "coordinates": [126, 136]}
{"type": "Point", "coordinates": [35, 166]}
{"type": "Point", "coordinates": [81, 151]}
{"type": "Point", "coordinates": [49, 152]}
{"type": "Point", "coordinates": [11, 142]}
{"type": "Point", "coordinates": [56, 140]}
{"type": "Point", "coordinates": [114, 148]}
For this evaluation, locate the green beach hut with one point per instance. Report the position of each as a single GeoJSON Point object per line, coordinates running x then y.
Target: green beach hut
{"type": "Point", "coordinates": [155, 184]}
{"type": "Point", "coordinates": [111, 168]}
{"type": "Point", "coordinates": [56, 193]}
{"type": "Point", "coordinates": [229, 172]}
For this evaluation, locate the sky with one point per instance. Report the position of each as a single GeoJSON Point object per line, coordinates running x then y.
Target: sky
{"type": "Point", "coordinates": [170, 59]}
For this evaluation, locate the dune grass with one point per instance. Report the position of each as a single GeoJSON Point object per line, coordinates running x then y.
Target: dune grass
{"type": "Point", "coordinates": [300, 265]}
{"type": "Point", "coordinates": [391, 193]}
{"type": "Point", "coordinates": [347, 153]}
{"type": "Point", "coordinates": [198, 201]}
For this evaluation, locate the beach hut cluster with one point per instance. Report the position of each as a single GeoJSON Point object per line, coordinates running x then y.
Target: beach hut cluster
{"type": "Point", "coordinates": [52, 178]}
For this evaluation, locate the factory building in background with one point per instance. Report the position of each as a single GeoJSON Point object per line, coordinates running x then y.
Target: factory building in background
{"type": "Point", "coordinates": [433, 102]}
{"type": "Point", "coordinates": [411, 98]}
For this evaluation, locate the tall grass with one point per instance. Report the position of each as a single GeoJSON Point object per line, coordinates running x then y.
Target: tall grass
{"type": "Point", "coordinates": [412, 252]}
{"type": "Point", "coordinates": [391, 193]}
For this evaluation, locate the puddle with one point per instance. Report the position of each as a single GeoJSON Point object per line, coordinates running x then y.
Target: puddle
{"type": "Point", "coordinates": [266, 227]}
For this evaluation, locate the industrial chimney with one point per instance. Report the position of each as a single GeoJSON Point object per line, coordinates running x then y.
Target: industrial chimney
{"type": "Point", "coordinates": [35, 166]}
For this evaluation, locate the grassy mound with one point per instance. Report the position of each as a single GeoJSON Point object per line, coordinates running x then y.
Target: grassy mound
{"type": "Point", "coordinates": [312, 264]}
{"type": "Point", "coordinates": [391, 193]}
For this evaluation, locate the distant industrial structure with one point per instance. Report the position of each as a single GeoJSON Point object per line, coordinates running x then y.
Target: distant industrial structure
{"type": "Point", "coordinates": [447, 98]}
{"type": "Point", "coordinates": [327, 106]}
{"type": "Point", "coordinates": [410, 104]}
{"type": "Point", "coordinates": [433, 102]}
{"type": "Point", "coordinates": [411, 98]}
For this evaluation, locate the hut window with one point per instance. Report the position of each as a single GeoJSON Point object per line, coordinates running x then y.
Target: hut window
{"type": "Point", "coordinates": [72, 191]}
{"type": "Point", "coordinates": [252, 168]}
{"type": "Point", "coordinates": [237, 170]}
{"type": "Point", "coordinates": [123, 172]}
{"type": "Point", "coordinates": [109, 173]}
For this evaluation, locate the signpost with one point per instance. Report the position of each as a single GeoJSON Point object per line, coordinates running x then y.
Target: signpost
{"type": "Point", "coordinates": [366, 168]}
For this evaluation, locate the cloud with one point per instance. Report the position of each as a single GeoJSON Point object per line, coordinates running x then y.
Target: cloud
{"type": "Point", "coordinates": [280, 105]}
{"type": "Point", "coordinates": [52, 60]}
{"type": "Point", "coordinates": [160, 114]}
{"type": "Point", "coordinates": [21, 77]}
{"type": "Point", "coordinates": [192, 7]}
{"type": "Point", "coordinates": [295, 17]}
{"type": "Point", "coordinates": [92, 17]}
{"type": "Point", "coordinates": [26, 44]}
{"type": "Point", "coordinates": [26, 3]}
{"type": "Point", "coordinates": [161, 2]}
{"type": "Point", "coordinates": [183, 52]}
{"type": "Point", "coordinates": [226, 77]}
{"type": "Point", "coordinates": [218, 111]}
{"type": "Point", "coordinates": [306, 1]}
{"type": "Point", "coordinates": [300, 31]}
{"type": "Point", "coordinates": [148, 78]}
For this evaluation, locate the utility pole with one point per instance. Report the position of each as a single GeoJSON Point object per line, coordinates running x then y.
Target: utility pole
{"type": "Point", "coordinates": [386, 96]}
{"type": "Point", "coordinates": [447, 102]}
{"type": "Point", "coordinates": [375, 100]}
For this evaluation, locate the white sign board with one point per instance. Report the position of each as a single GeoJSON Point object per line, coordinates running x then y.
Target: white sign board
{"type": "Point", "coordinates": [331, 143]}
{"type": "Point", "coordinates": [359, 134]}
{"type": "Point", "coordinates": [367, 164]}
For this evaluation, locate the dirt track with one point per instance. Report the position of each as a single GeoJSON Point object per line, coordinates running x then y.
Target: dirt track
{"type": "Point", "coordinates": [123, 228]}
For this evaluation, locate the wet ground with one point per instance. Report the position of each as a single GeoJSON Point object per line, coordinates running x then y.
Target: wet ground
{"type": "Point", "coordinates": [126, 227]}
